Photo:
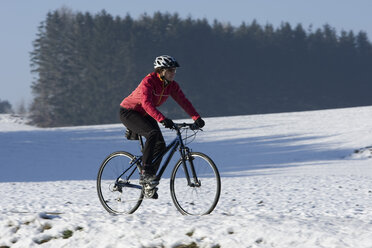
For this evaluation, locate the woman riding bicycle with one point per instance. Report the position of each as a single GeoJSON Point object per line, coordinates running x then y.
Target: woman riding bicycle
{"type": "Point", "coordinates": [139, 113]}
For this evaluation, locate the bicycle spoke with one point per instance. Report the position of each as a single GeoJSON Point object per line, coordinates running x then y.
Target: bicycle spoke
{"type": "Point", "coordinates": [119, 195]}
{"type": "Point", "coordinates": [197, 198]}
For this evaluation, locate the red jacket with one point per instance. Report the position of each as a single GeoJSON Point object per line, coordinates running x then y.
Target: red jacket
{"type": "Point", "coordinates": [152, 93]}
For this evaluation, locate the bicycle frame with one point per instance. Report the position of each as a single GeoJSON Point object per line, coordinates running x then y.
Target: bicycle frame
{"type": "Point", "coordinates": [171, 148]}
{"type": "Point", "coordinates": [191, 194]}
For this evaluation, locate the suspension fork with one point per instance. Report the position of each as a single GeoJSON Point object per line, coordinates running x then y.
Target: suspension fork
{"type": "Point", "coordinates": [185, 155]}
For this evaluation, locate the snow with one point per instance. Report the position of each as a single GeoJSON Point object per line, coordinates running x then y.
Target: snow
{"type": "Point", "coordinates": [13, 122]}
{"type": "Point", "coordinates": [288, 180]}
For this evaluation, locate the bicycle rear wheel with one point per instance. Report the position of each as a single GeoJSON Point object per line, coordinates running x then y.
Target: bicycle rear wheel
{"type": "Point", "coordinates": [118, 185]}
{"type": "Point", "coordinates": [200, 196]}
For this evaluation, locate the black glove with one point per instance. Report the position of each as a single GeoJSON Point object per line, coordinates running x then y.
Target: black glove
{"type": "Point", "coordinates": [167, 123]}
{"type": "Point", "coordinates": [199, 122]}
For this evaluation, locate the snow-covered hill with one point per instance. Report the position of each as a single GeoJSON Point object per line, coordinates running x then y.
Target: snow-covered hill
{"type": "Point", "coordinates": [13, 122]}
{"type": "Point", "coordinates": [288, 180]}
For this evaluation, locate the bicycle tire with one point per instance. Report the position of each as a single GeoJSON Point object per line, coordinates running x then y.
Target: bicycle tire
{"type": "Point", "coordinates": [199, 200]}
{"type": "Point", "coordinates": [119, 192]}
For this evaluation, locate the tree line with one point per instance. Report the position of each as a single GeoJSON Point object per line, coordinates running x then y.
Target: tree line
{"type": "Point", "coordinates": [86, 64]}
{"type": "Point", "coordinates": [5, 107]}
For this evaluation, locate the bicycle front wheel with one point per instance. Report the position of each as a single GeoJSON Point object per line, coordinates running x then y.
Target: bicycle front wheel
{"type": "Point", "coordinates": [199, 193]}
{"type": "Point", "coordinates": [118, 185]}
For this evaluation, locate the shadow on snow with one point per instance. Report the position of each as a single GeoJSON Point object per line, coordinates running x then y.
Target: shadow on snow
{"type": "Point", "coordinates": [76, 154]}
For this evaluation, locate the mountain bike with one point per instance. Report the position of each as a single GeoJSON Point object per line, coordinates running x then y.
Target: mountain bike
{"type": "Point", "coordinates": [195, 182]}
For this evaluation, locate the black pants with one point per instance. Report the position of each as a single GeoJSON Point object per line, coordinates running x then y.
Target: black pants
{"type": "Point", "coordinates": [147, 127]}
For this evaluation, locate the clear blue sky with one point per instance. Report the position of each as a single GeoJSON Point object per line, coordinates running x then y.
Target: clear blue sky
{"type": "Point", "coordinates": [19, 21]}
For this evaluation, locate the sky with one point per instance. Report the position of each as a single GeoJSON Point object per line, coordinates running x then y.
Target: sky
{"type": "Point", "coordinates": [19, 21]}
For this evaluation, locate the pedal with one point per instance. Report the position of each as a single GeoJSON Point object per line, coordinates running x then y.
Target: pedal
{"type": "Point", "coordinates": [150, 192]}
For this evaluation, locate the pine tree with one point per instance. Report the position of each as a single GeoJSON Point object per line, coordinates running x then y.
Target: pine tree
{"type": "Point", "coordinates": [5, 107]}
{"type": "Point", "coordinates": [86, 64]}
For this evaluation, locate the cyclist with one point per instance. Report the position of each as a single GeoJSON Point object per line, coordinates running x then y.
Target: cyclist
{"type": "Point", "coordinates": [139, 113]}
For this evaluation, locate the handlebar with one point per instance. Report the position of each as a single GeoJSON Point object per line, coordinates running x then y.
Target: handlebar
{"type": "Point", "coordinates": [192, 126]}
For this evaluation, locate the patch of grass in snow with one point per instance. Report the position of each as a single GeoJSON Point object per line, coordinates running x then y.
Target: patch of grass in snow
{"type": "Point", "coordinates": [79, 228]}
{"type": "Point", "coordinates": [259, 241]}
{"type": "Point", "coordinates": [43, 240]}
{"type": "Point", "coordinates": [192, 245]}
{"type": "Point", "coordinates": [67, 234]}
{"type": "Point", "coordinates": [45, 226]}
{"type": "Point", "coordinates": [190, 233]}
{"type": "Point", "coordinates": [28, 222]}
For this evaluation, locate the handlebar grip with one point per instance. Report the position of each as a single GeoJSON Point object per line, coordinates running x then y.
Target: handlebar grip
{"type": "Point", "coordinates": [194, 126]}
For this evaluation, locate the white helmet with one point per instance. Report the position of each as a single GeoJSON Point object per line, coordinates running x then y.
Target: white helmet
{"type": "Point", "coordinates": [165, 61]}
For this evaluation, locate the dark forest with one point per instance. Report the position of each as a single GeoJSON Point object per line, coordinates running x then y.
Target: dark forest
{"type": "Point", "coordinates": [85, 64]}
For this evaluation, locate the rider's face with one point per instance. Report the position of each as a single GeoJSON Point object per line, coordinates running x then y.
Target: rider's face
{"type": "Point", "coordinates": [169, 74]}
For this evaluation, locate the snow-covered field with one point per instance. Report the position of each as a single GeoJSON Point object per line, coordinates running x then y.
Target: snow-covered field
{"type": "Point", "coordinates": [288, 180]}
